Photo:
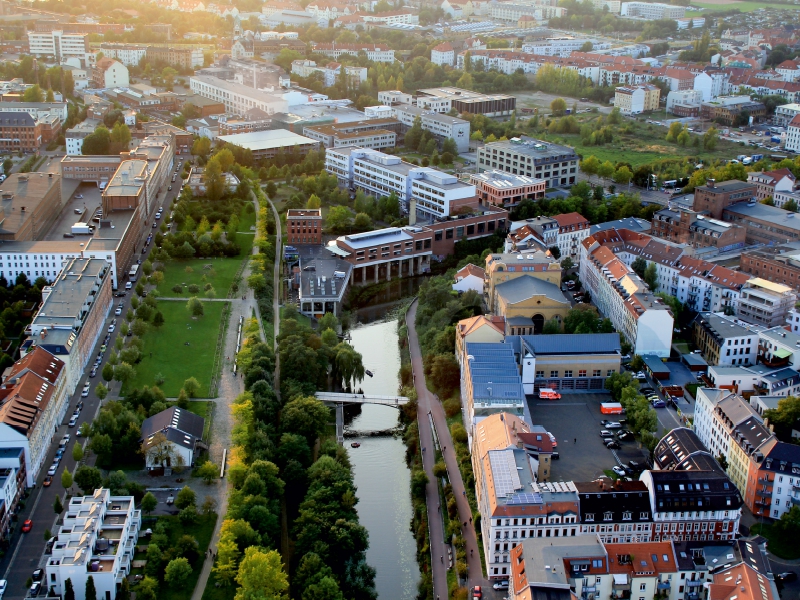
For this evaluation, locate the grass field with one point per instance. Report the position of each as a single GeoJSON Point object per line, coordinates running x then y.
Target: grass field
{"type": "Point", "coordinates": [790, 551]}
{"type": "Point", "coordinates": [742, 6]}
{"type": "Point", "coordinates": [202, 408]}
{"type": "Point", "coordinates": [165, 351]}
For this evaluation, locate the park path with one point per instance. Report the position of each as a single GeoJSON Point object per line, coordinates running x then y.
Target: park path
{"type": "Point", "coordinates": [430, 410]}
{"type": "Point", "coordinates": [230, 386]}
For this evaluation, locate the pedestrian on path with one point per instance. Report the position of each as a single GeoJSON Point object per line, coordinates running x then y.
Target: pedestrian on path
{"type": "Point", "coordinates": [576, 441]}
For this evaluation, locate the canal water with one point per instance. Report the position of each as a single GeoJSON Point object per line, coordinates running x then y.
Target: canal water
{"type": "Point", "coordinates": [380, 472]}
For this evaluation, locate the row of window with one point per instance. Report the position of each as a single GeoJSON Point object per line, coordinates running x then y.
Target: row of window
{"type": "Point", "coordinates": [581, 373]}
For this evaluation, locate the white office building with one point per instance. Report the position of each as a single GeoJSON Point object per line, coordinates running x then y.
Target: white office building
{"type": "Point", "coordinates": [238, 98]}
{"type": "Point", "coordinates": [97, 539]}
{"type": "Point", "coordinates": [652, 11]}
{"type": "Point", "coordinates": [379, 174]}
{"type": "Point", "coordinates": [441, 126]}
{"type": "Point", "coordinates": [562, 46]}
{"type": "Point", "coordinates": [129, 55]}
{"type": "Point", "coordinates": [60, 45]}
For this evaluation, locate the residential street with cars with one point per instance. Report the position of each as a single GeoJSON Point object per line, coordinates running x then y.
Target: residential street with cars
{"type": "Point", "coordinates": [26, 549]}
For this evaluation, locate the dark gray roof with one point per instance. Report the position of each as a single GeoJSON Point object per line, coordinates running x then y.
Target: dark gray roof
{"type": "Point", "coordinates": [783, 458]}
{"type": "Point", "coordinates": [692, 490]}
{"type": "Point", "coordinates": [773, 214]}
{"type": "Point", "coordinates": [680, 450]}
{"type": "Point", "coordinates": [571, 343]}
{"type": "Point", "coordinates": [631, 223]}
{"type": "Point", "coordinates": [522, 288]}
{"type": "Point", "coordinates": [729, 186]}
{"type": "Point", "coordinates": [16, 119]}
{"type": "Point", "coordinates": [174, 418]}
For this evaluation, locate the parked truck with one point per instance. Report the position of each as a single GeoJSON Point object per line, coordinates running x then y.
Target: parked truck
{"type": "Point", "coordinates": [611, 408]}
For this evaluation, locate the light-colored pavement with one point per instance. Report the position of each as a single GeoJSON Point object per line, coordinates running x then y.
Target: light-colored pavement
{"type": "Point", "coordinates": [429, 409]}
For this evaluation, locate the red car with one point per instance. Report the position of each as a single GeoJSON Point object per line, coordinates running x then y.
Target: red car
{"type": "Point", "coordinates": [47, 481]}
{"type": "Point", "coordinates": [27, 526]}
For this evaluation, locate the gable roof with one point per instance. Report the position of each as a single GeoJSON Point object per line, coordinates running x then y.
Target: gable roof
{"type": "Point", "coordinates": [470, 269]}
{"type": "Point", "coordinates": [174, 418]}
{"type": "Point", "coordinates": [520, 289]}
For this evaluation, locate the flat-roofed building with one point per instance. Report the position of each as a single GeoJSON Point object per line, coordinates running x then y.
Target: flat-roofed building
{"type": "Point", "coordinates": [557, 165]}
{"type": "Point", "coordinates": [72, 315]}
{"type": "Point", "coordinates": [373, 134]}
{"type": "Point", "coordinates": [697, 230]}
{"type": "Point", "coordinates": [98, 539]}
{"type": "Point", "coordinates": [443, 99]}
{"type": "Point", "coordinates": [37, 109]}
{"type": "Point", "coordinates": [765, 303]}
{"type": "Point", "coordinates": [506, 190]}
{"type": "Point", "coordinates": [779, 263]}
{"type": "Point", "coordinates": [442, 126]}
{"type": "Point", "coordinates": [304, 226]}
{"type": "Point", "coordinates": [714, 197]}
{"type": "Point", "coordinates": [651, 11]}
{"type": "Point", "coordinates": [764, 224]}
{"type": "Point", "coordinates": [268, 144]}
{"type": "Point", "coordinates": [30, 204]}
{"type": "Point", "coordinates": [490, 385]}
{"type": "Point", "coordinates": [725, 340]}
{"type": "Point", "coordinates": [33, 402]}
{"type": "Point", "coordinates": [19, 132]}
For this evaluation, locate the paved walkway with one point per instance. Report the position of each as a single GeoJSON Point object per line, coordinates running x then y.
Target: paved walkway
{"type": "Point", "coordinates": [230, 386]}
{"type": "Point", "coordinates": [430, 409]}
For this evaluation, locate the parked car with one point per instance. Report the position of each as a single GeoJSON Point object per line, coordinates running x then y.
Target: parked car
{"type": "Point", "coordinates": [3, 586]}
{"type": "Point", "coordinates": [659, 404]}
{"type": "Point", "coordinates": [27, 526]}
{"type": "Point", "coordinates": [79, 196]}
{"type": "Point", "coordinates": [36, 588]}
{"type": "Point", "coordinates": [647, 390]}
{"type": "Point", "coordinates": [93, 372]}
{"type": "Point", "coordinates": [606, 434]}
{"type": "Point", "coordinates": [501, 585]}
{"type": "Point", "coordinates": [635, 465]}
{"type": "Point", "coordinates": [121, 294]}
{"type": "Point", "coordinates": [66, 438]}
{"type": "Point", "coordinates": [476, 592]}
{"type": "Point", "coordinates": [111, 328]}
{"type": "Point", "coordinates": [641, 376]}
{"type": "Point", "coordinates": [624, 436]}
{"type": "Point", "coordinates": [85, 391]}
{"type": "Point", "coordinates": [619, 471]}
{"type": "Point", "coordinates": [787, 576]}
{"type": "Point", "coordinates": [46, 483]}
{"type": "Point", "coordinates": [37, 574]}
{"type": "Point", "coordinates": [614, 425]}
{"type": "Point", "coordinates": [612, 445]}
{"type": "Point", "coordinates": [73, 421]}
{"type": "Point", "coordinates": [52, 470]}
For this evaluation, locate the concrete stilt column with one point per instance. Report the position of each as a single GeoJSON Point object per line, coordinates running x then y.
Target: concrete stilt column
{"type": "Point", "coordinates": [376, 273]}
{"type": "Point", "coordinates": [411, 267]}
{"type": "Point", "coordinates": [389, 271]}
{"type": "Point", "coordinates": [364, 274]}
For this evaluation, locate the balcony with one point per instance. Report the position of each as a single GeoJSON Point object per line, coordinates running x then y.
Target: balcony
{"type": "Point", "coordinates": [620, 594]}
{"type": "Point", "coordinates": [664, 585]}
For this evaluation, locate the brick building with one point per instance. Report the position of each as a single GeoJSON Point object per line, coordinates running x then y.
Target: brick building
{"type": "Point", "coordinates": [19, 132]}
{"type": "Point", "coordinates": [780, 264]}
{"type": "Point", "coordinates": [31, 203]}
{"type": "Point", "coordinates": [507, 190]}
{"type": "Point", "coordinates": [714, 197]}
{"type": "Point", "coordinates": [696, 230]}
{"type": "Point", "coordinates": [304, 226]}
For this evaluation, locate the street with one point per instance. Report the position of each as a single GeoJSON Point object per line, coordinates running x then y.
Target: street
{"type": "Point", "coordinates": [26, 549]}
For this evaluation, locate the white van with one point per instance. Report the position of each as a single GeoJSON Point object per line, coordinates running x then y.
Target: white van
{"type": "Point", "coordinates": [128, 285]}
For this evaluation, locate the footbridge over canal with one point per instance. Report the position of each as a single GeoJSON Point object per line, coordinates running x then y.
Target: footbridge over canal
{"type": "Point", "coordinates": [339, 400]}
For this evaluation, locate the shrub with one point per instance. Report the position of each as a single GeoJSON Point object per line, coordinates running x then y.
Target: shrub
{"type": "Point", "coordinates": [193, 289]}
{"type": "Point", "coordinates": [178, 289]}
{"type": "Point", "coordinates": [452, 407]}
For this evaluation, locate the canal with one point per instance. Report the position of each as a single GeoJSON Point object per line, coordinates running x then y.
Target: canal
{"type": "Point", "coordinates": [379, 468]}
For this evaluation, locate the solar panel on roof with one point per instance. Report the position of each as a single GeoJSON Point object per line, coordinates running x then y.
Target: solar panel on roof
{"type": "Point", "coordinates": [504, 472]}
{"type": "Point", "coordinates": [526, 498]}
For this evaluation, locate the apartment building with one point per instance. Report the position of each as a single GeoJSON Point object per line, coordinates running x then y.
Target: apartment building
{"type": "Point", "coordinates": [34, 401]}
{"type": "Point", "coordinates": [443, 54]}
{"type": "Point", "coordinates": [184, 58]}
{"type": "Point", "coordinates": [239, 98]}
{"type": "Point", "coordinates": [714, 197]}
{"type": "Point", "coordinates": [768, 183]}
{"type": "Point", "coordinates": [97, 539]}
{"type": "Point", "coordinates": [763, 302]}
{"type": "Point", "coordinates": [561, 46]}
{"type": "Point", "coordinates": [31, 203]}
{"type": "Point", "coordinates": [506, 190]}
{"type": "Point", "coordinates": [129, 55]}
{"type": "Point", "coordinates": [785, 114]}
{"type": "Point", "coordinates": [574, 362]}
{"type": "Point", "coordinates": [621, 296]}
{"type": "Point", "coordinates": [491, 385]}
{"type": "Point", "coordinates": [573, 228]}
{"type": "Point", "coordinates": [443, 99]}
{"type": "Point", "coordinates": [724, 340]}
{"type": "Point", "coordinates": [617, 512]}
{"type": "Point", "coordinates": [557, 165]}
{"type": "Point", "coordinates": [425, 191]}
{"type": "Point", "coordinates": [684, 226]}
{"type": "Point", "coordinates": [374, 52]}
{"type": "Point", "coordinates": [37, 110]}
{"type": "Point", "coordinates": [304, 226]}
{"type": "Point", "coordinates": [60, 45]}
{"type": "Point", "coordinates": [634, 100]}
{"type": "Point", "coordinates": [792, 142]}
{"type": "Point", "coordinates": [110, 73]}
{"type": "Point", "coordinates": [513, 11]}
{"type": "Point", "coordinates": [684, 103]}
{"type": "Point", "coordinates": [442, 126]}
{"type": "Point", "coordinates": [651, 11]}
{"type": "Point", "coordinates": [74, 136]}
{"type": "Point", "coordinates": [20, 132]}
{"type": "Point", "coordinates": [773, 484]}
{"type": "Point", "coordinates": [72, 315]}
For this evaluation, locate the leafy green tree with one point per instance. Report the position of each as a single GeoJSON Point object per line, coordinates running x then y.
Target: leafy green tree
{"type": "Point", "coordinates": [120, 136]}
{"type": "Point", "coordinates": [567, 263]}
{"type": "Point", "coordinates": [158, 319]}
{"type": "Point", "coordinates": [124, 372]}
{"type": "Point", "coordinates": [66, 479]}
{"type": "Point", "coordinates": [208, 472]}
{"type": "Point", "coordinates": [623, 175]}
{"type": "Point", "coordinates": [195, 307]}
{"type": "Point", "coordinates": [214, 180]}
{"type": "Point", "coordinates": [186, 497]}
{"type": "Point", "coordinates": [639, 266]}
{"type": "Point", "coordinates": [261, 576]}
{"type": "Point", "coordinates": [651, 277]}
{"type": "Point", "coordinates": [305, 416]}
{"type": "Point", "coordinates": [69, 591]}
{"type": "Point", "coordinates": [77, 452]}
{"type": "Point", "coordinates": [33, 94]}
{"type": "Point", "coordinates": [339, 219]}
{"type": "Point", "coordinates": [675, 129]}
{"type": "Point", "coordinates": [97, 143]}
{"type": "Point", "coordinates": [551, 326]}
{"type": "Point", "coordinates": [57, 506]}
{"type": "Point", "coordinates": [177, 572]}
{"type": "Point", "coordinates": [684, 138]}
{"type": "Point", "coordinates": [606, 170]}
{"type": "Point", "coordinates": [272, 190]}
{"type": "Point", "coordinates": [313, 201]}
{"type": "Point", "coordinates": [147, 588]}
{"type": "Point", "coordinates": [91, 591]}
{"type": "Point", "coordinates": [558, 107]}
{"type": "Point", "coordinates": [101, 391]}
{"type": "Point", "coordinates": [710, 139]}
{"type": "Point", "coordinates": [88, 479]}
{"type": "Point", "coordinates": [149, 503]}
{"type": "Point", "coordinates": [590, 166]}
{"type": "Point", "coordinates": [124, 592]}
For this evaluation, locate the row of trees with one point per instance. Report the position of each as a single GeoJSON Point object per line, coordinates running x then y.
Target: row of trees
{"type": "Point", "coordinates": [642, 418]}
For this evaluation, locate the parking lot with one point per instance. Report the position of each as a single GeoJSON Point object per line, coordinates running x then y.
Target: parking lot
{"type": "Point", "coordinates": [575, 422]}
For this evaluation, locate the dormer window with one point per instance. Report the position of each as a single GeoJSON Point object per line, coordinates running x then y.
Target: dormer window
{"type": "Point", "coordinates": [608, 516]}
{"type": "Point", "coordinates": [589, 516]}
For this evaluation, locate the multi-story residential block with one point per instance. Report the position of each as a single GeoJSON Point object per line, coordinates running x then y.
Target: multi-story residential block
{"type": "Point", "coordinates": [634, 100]}
{"type": "Point", "coordinates": [304, 226]}
{"type": "Point", "coordinates": [443, 54]}
{"type": "Point", "coordinates": [372, 134]}
{"type": "Point", "coordinates": [792, 143]}
{"type": "Point", "coordinates": [773, 484]}
{"type": "Point", "coordinates": [422, 191]}
{"type": "Point", "coordinates": [37, 110]}
{"type": "Point", "coordinates": [75, 135]}
{"type": "Point", "coordinates": [501, 268]}
{"type": "Point", "coordinates": [696, 230]}
{"type": "Point", "coordinates": [239, 98]}
{"type": "Point", "coordinates": [782, 198]}
{"type": "Point", "coordinates": [442, 127]}
{"type": "Point", "coordinates": [785, 114]}
{"type": "Point", "coordinates": [184, 58]}
{"type": "Point", "coordinates": [506, 190]}
{"type": "Point", "coordinates": [31, 203]}
{"type": "Point", "coordinates": [652, 11]}
{"type": "Point", "coordinates": [562, 46]}
{"type": "Point", "coordinates": [621, 296]}
{"type": "Point", "coordinates": [129, 55]}
{"type": "Point", "coordinates": [109, 73]}
{"type": "Point", "coordinates": [573, 362]}
{"type": "Point", "coordinates": [490, 385]}
{"type": "Point", "coordinates": [513, 11]}
{"type": "Point", "coordinates": [443, 99]}
{"type": "Point", "coordinates": [684, 103]}
{"type": "Point", "coordinates": [19, 132]}
{"type": "Point", "coordinates": [60, 45]}
{"type": "Point", "coordinates": [97, 539]}
{"type": "Point", "coordinates": [763, 302]}
{"type": "Point", "coordinates": [725, 340]}
{"type": "Point", "coordinates": [558, 165]}
{"type": "Point", "coordinates": [695, 504]}
{"type": "Point", "coordinates": [617, 512]}
{"type": "Point", "coordinates": [487, 329]}
{"type": "Point", "coordinates": [714, 197]}
{"type": "Point", "coordinates": [374, 52]}
{"type": "Point", "coordinates": [768, 183]}
{"type": "Point", "coordinates": [573, 228]}
{"type": "Point", "coordinates": [34, 401]}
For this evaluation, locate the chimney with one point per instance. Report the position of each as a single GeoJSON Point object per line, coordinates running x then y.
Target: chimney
{"type": "Point", "coordinates": [710, 182]}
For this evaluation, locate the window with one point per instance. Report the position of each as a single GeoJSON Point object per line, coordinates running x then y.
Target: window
{"type": "Point", "coordinates": [642, 587]}
{"type": "Point", "coordinates": [568, 373]}
{"type": "Point", "coordinates": [589, 516]}
{"type": "Point", "coordinates": [553, 373]}
{"type": "Point", "coordinates": [596, 373]}
{"type": "Point", "coordinates": [539, 374]}
{"type": "Point", "coordinates": [582, 373]}
{"type": "Point", "coordinates": [608, 516]}
{"type": "Point", "coordinates": [609, 373]}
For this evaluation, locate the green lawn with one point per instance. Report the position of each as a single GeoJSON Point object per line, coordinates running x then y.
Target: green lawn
{"type": "Point", "coordinates": [782, 549]}
{"type": "Point", "coordinates": [742, 6]}
{"type": "Point", "coordinates": [202, 531]}
{"type": "Point", "coordinates": [165, 351]}
{"type": "Point", "coordinates": [220, 275]}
